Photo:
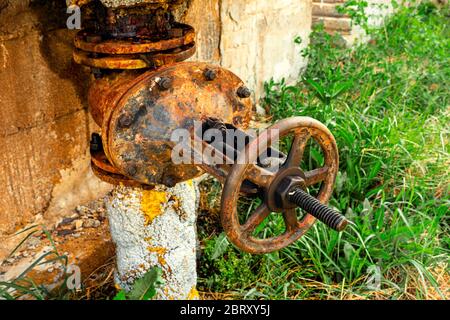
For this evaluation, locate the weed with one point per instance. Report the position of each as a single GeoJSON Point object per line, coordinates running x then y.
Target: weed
{"type": "Point", "coordinates": [24, 287]}
{"type": "Point", "coordinates": [143, 288]}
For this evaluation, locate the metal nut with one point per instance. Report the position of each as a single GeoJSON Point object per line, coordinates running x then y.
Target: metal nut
{"type": "Point", "coordinates": [210, 75]}
{"type": "Point", "coordinates": [282, 191]}
{"type": "Point", "coordinates": [132, 170]}
{"type": "Point", "coordinates": [96, 143]}
{"type": "Point", "coordinates": [94, 38]}
{"type": "Point", "coordinates": [244, 92]}
{"type": "Point", "coordinates": [98, 74]}
{"type": "Point", "coordinates": [169, 181]}
{"type": "Point", "coordinates": [165, 84]}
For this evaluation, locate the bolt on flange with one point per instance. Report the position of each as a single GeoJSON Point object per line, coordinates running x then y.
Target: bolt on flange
{"type": "Point", "coordinates": [244, 92]}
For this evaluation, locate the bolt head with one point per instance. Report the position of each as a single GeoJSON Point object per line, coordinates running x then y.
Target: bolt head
{"type": "Point", "coordinates": [165, 84]}
{"type": "Point", "coordinates": [96, 143]}
{"type": "Point", "coordinates": [125, 120]}
{"type": "Point", "coordinates": [98, 74]}
{"type": "Point", "coordinates": [244, 92]}
{"type": "Point", "coordinates": [210, 75]}
{"type": "Point", "coordinates": [169, 181]}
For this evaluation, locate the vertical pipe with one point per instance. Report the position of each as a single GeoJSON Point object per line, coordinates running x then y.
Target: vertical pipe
{"type": "Point", "coordinates": [156, 228]}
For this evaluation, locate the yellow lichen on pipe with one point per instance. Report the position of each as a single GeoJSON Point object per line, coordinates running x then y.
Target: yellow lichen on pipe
{"type": "Point", "coordinates": [156, 228]}
{"type": "Point", "coordinates": [193, 294]}
{"type": "Point", "coordinates": [152, 204]}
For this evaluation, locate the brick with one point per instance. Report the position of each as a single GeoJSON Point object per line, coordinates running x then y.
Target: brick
{"type": "Point", "coordinates": [334, 24]}
{"type": "Point", "coordinates": [325, 10]}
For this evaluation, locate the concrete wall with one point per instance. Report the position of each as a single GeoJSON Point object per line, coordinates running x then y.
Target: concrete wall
{"type": "Point", "coordinates": [44, 123]}
{"type": "Point", "coordinates": [258, 39]}
{"type": "Point", "coordinates": [253, 38]}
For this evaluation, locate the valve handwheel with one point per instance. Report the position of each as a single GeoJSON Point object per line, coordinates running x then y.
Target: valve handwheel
{"type": "Point", "coordinates": [284, 190]}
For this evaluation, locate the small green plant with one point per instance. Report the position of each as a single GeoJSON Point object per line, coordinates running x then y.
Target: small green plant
{"type": "Point", "coordinates": [143, 288]}
{"type": "Point", "coordinates": [225, 262]}
{"type": "Point", "coordinates": [356, 10]}
{"type": "Point", "coordinates": [327, 93]}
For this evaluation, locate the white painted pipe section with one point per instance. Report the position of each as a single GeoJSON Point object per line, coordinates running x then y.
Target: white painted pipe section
{"type": "Point", "coordinates": [156, 228]}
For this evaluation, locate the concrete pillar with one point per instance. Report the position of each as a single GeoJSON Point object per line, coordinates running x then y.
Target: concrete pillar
{"type": "Point", "coordinates": [156, 228]}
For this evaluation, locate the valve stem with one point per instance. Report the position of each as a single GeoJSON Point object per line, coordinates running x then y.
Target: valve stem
{"type": "Point", "coordinates": [330, 217]}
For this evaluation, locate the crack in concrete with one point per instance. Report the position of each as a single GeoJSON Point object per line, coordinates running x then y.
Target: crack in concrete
{"type": "Point", "coordinates": [42, 123]}
{"type": "Point", "coordinates": [220, 32]}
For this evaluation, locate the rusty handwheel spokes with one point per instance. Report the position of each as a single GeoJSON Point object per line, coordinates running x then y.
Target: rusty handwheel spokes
{"type": "Point", "coordinates": [284, 190]}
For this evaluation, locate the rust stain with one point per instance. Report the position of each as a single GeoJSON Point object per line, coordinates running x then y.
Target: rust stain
{"type": "Point", "coordinates": [138, 128]}
{"type": "Point", "coordinates": [142, 92]}
{"type": "Point", "coordinates": [5, 55]}
{"type": "Point", "coordinates": [121, 47]}
{"type": "Point", "coordinates": [160, 251]}
{"type": "Point", "coordinates": [136, 61]}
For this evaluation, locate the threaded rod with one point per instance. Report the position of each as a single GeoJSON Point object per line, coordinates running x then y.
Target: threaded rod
{"type": "Point", "coordinates": [330, 217]}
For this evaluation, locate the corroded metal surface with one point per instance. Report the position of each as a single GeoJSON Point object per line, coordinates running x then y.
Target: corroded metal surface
{"type": "Point", "coordinates": [113, 178]}
{"type": "Point", "coordinates": [138, 121]}
{"type": "Point", "coordinates": [105, 93]}
{"type": "Point", "coordinates": [143, 93]}
{"type": "Point", "coordinates": [92, 42]}
{"type": "Point", "coordinates": [303, 129]}
{"type": "Point", "coordinates": [119, 3]}
{"type": "Point", "coordinates": [132, 62]}
{"type": "Point", "coordinates": [123, 45]}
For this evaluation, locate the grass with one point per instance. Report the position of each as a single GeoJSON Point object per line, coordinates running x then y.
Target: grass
{"type": "Point", "coordinates": [24, 286]}
{"type": "Point", "coordinates": [386, 102]}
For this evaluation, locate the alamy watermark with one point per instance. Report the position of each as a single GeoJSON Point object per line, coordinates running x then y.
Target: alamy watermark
{"type": "Point", "coordinates": [374, 278]}
{"type": "Point", "coordinates": [74, 20]}
{"type": "Point", "coordinates": [73, 281]}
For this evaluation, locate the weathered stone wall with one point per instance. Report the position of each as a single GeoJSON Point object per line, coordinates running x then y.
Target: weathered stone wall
{"type": "Point", "coordinates": [44, 123]}
{"type": "Point", "coordinates": [204, 15]}
{"type": "Point", "coordinates": [254, 39]}
{"type": "Point", "coordinates": [257, 39]}
{"type": "Point", "coordinates": [376, 12]}
{"type": "Point", "coordinates": [325, 11]}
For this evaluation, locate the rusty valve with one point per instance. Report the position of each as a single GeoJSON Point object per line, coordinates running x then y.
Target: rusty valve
{"type": "Point", "coordinates": [143, 92]}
